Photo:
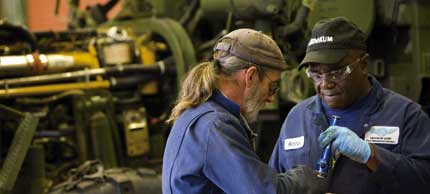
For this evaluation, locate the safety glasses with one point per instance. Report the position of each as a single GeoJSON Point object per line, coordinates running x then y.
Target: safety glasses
{"type": "Point", "coordinates": [335, 75]}
{"type": "Point", "coordinates": [273, 86]}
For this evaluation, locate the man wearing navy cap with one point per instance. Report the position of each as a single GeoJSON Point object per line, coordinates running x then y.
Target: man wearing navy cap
{"type": "Point", "coordinates": [380, 144]}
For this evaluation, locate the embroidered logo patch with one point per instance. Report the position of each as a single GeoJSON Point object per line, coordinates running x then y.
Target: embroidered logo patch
{"type": "Point", "coordinates": [382, 135]}
{"type": "Point", "coordinates": [321, 39]}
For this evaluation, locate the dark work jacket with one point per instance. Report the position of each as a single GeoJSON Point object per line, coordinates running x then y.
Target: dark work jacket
{"type": "Point", "coordinates": [401, 168]}
{"type": "Point", "coordinates": [209, 150]}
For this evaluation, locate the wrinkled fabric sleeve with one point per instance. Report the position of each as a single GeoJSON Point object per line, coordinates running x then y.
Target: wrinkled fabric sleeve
{"type": "Point", "coordinates": [408, 171]}
{"type": "Point", "coordinates": [234, 167]}
{"type": "Point", "coordinates": [275, 159]}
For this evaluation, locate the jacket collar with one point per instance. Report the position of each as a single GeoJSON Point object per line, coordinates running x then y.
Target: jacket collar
{"type": "Point", "coordinates": [234, 109]}
{"type": "Point", "coordinates": [226, 103]}
{"type": "Point", "coordinates": [377, 93]}
{"type": "Point", "coordinates": [315, 104]}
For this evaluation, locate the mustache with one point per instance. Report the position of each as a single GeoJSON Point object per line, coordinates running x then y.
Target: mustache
{"type": "Point", "coordinates": [329, 92]}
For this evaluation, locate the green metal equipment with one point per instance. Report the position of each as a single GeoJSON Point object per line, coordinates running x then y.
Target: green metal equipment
{"type": "Point", "coordinates": [101, 90]}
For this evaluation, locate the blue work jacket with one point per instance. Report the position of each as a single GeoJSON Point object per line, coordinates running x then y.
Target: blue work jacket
{"type": "Point", "coordinates": [209, 150]}
{"type": "Point", "coordinates": [403, 167]}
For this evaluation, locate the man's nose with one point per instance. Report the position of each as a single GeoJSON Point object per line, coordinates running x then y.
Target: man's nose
{"type": "Point", "coordinates": [271, 98]}
{"type": "Point", "coordinates": [327, 84]}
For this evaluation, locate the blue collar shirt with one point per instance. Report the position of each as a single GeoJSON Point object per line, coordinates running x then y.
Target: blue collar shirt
{"type": "Point", "coordinates": [210, 150]}
{"type": "Point", "coordinates": [403, 167]}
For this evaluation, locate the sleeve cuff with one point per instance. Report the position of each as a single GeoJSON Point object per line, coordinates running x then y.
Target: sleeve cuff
{"type": "Point", "coordinates": [385, 166]}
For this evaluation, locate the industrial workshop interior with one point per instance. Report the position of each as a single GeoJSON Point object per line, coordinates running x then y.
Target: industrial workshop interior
{"type": "Point", "coordinates": [87, 86]}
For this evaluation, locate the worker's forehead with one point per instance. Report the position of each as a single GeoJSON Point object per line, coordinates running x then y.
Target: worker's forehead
{"type": "Point", "coordinates": [322, 66]}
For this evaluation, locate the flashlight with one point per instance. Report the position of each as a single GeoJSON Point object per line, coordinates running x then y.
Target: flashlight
{"type": "Point", "coordinates": [323, 164]}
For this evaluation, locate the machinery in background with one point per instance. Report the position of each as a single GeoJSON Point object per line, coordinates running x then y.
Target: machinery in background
{"type": "Point", "coordinates": [99, 94]}
{"type": "Point", "coordinates": [397, 29]}
{"type": "Point", "coordinates": [102, 89]}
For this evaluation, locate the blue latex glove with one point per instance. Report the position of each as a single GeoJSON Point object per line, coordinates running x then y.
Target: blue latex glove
{"type": "Point", "coordinates": [345, 142]}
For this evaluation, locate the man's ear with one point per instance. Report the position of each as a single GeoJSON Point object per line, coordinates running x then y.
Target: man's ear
{"type": "Point", "coordinates": [251, 75]}
{"type": "Point", "coordinates": [364, 63]}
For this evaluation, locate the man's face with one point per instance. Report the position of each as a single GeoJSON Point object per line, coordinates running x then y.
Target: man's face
{"type": "Point", "coordinates": [260, 93]}
{"type": "Point", "coordinates": [340, 85]}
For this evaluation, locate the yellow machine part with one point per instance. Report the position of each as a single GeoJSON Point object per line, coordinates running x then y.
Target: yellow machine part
{"type": "Point", "coordinates": [148, 55]}
{"type": "Point", "coordinates": [53, 88]}
{"type": "Point", "coordinates": [85, 59]}
{"type": "Point", "coordinates": [136, 132]}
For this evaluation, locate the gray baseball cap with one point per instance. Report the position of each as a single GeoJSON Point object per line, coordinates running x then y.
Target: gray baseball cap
{"type": "Point", "coordinates": [331, 41]}
{"type": "Point", "coordinates": [253, 46]}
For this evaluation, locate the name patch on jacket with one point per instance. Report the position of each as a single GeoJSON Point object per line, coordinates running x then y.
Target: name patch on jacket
{"type": "Point", "coordinates": [294, 143]}
{"type": "Point", "coordinates": [382, 135]}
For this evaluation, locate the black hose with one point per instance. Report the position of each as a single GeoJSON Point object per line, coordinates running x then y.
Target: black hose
{"type": "Point", "coordinates": [190, 11]}
{"type": "Point", "coordinates": [298, 23]}
{"type": "Point", "coordinates": [129, 81]}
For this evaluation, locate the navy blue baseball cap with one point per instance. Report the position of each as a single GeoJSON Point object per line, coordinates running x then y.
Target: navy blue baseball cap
{"type": "Point", "coordinates": [331, 41]}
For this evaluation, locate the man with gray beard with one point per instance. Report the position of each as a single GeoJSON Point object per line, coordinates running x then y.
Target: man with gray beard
{"type": "Point", "coordinates": [210, 148]}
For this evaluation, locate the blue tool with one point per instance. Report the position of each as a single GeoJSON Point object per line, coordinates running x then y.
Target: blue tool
{"type": "Point", "coordinates": [323, 164]}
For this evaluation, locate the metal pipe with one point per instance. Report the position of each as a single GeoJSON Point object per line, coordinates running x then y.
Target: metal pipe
{"type": "Point", "coordinates": [10, 111]}
{"type": "Point", "coordinates": [40, 79]}
{"type": "Point", "coordinates": [40, 63]}
{"type": "Point", "coordinates": [50, 99]}
{"type": "Point", "coordinates": [129, 81]}
{"type": "Point", "coordinates": [298, 23]}
{"type": "Point", "coordinates": [17, 152]}
{"type": "Point", "coordinates": [53, 88]}
{"type": "Point", "coordinates": [54, 133]}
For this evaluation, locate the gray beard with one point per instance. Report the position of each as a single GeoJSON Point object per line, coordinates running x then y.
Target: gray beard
{"type": "Point", "coordinates": [253, 105]}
